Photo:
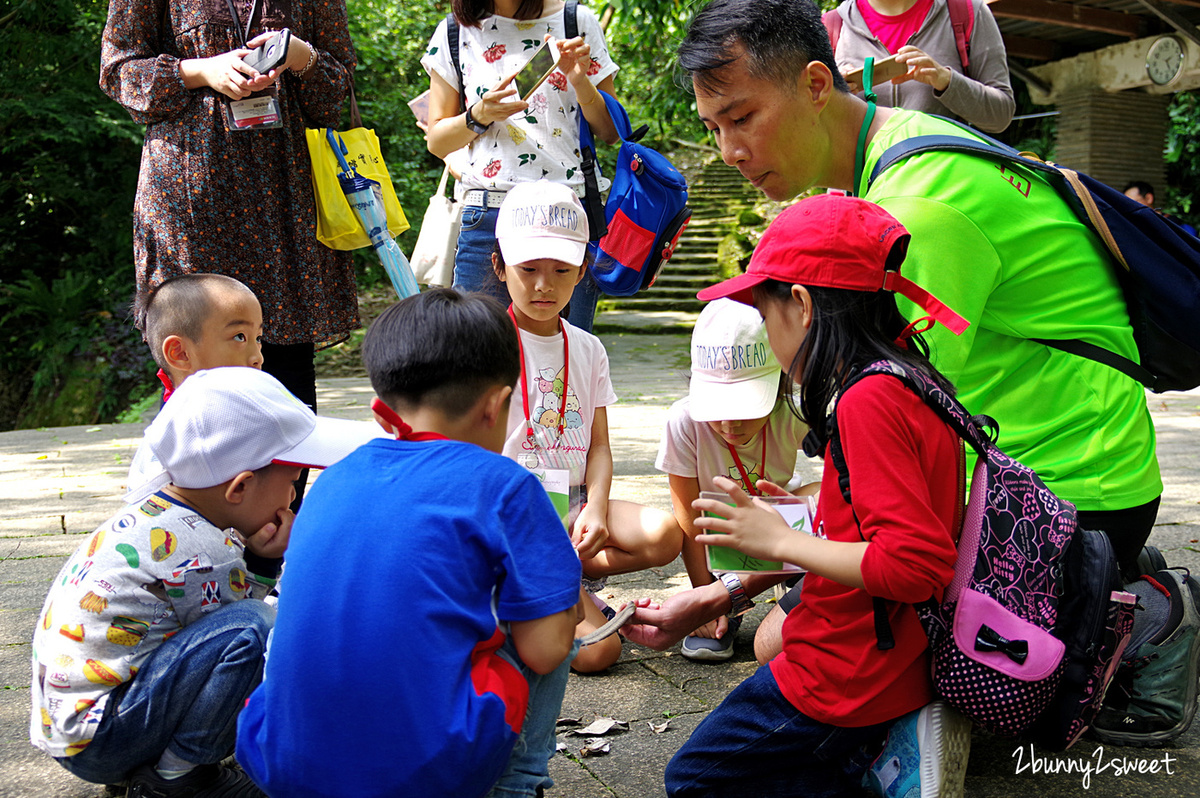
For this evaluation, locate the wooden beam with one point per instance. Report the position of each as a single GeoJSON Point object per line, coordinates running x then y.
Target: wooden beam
{"type": "Point", "coordinates": [1173, 18]}
{"type": "Point", "coordinates": [1069, 15]}
{"type": "Point", "coordinates": [1029, 78]}
{"type": "Point", "coordinates": [1025, 47]}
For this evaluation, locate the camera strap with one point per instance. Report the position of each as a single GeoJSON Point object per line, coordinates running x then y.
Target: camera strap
{"type": "Point", "coordinates": [243, 35]}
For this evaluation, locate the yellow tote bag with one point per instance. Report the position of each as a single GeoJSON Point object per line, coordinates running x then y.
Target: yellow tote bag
{"type": "Point", "coordinates": [338, 226]}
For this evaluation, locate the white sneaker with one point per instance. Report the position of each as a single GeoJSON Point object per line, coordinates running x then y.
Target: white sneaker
{"type": "Point", "coordinates": [925, 755]}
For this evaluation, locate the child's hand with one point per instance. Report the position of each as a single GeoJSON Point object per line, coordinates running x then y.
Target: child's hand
{"type": "Point", "coordinates": [272, 540]}
{"type": "Point", "coordinates": [751, 527]}
{"type": "Point", "coordinates": [768, 488]}
{"type": "Point", "coordinates": [590, 533]}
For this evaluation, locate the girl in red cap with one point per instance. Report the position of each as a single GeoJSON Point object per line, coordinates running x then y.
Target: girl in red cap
{"type": "Point", "coordinates": [811, 721]}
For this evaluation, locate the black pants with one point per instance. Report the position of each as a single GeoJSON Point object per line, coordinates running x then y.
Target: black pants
{"type": "Point", "coordinates": [1128, 530]}
{"type": "Point", "coordinates": [292, 365]}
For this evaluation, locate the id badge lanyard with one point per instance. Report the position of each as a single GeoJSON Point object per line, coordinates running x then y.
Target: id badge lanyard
{"type": "Point", "coordinates": [562, 400]}
{"type": "Point", "coordinates": [737, 461]}
{"type": "Point", "coordinates": [261, 110]}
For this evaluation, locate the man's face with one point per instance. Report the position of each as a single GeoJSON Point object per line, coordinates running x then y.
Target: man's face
{"type": "Point", "coordinates": [1134, 194]}
{"type": "Point", "coordinates": [766, 130]}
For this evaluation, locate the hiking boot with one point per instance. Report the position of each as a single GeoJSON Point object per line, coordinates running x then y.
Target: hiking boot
{"type": "Point", "coordinates": [1152, 699]}
{"type": "Point", "coordinates": [709, 649]}
{"type": "Point", "coordinates": [925, 755]}
{"type": "Point", "coordinates": [204, 781]}
{"type": "Point", "coordinates": [1150, 561]}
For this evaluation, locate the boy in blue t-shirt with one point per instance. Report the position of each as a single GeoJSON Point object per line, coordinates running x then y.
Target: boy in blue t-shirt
{"type": "Point", "coordinates": [432, 590]}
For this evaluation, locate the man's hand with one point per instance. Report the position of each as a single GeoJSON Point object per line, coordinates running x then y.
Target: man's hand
{"type": "Point", "coordinates": [660, 626]}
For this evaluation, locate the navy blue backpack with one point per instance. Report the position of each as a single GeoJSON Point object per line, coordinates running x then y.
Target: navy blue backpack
{"type": "Point", "coordinates": [1157, 261]}
{"type": "Point", "coordinates": [637, 229]}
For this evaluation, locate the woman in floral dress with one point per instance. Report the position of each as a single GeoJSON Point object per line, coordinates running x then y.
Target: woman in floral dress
{"type": "Point", "coordinates": [213, 197]}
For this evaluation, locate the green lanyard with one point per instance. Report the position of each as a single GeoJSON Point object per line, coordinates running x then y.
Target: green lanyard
{"type": "Point", "coordinates": [860, 151]}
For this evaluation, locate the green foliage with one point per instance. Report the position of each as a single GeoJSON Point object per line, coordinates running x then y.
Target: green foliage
{"type": "Point", "coordinates": [1182, 152]}
{"type": "Point", "coordinates": [68, 170]}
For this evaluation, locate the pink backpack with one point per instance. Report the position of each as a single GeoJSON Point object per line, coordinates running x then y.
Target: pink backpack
{"type": "Point", "coordinates": [1029, 633]}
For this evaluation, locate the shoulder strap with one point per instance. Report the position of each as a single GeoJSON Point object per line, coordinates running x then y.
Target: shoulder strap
{"type": "Point", "coordinates": [833, 26]}
{"type": "Point", "coordinates": [1068, 185]}
{"type": "Point", "coordinates": [452, 43]}
{"type": "Point", "coordinates": [969, 428]}
{"type": "Point", "coordinates": [593, 202]}
{"type": "Point", "coordinates": [962, 19]}
{"type": "Point", "coordinates": [571, 19]}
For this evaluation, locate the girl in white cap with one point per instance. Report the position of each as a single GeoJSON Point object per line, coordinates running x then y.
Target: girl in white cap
{"type": "Point", "coordinates": [733, 423]}
{"type": "Point", "coordinates": [558, 419]}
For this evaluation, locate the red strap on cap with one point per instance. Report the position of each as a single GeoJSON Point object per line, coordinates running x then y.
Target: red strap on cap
{"type": "Point", "coordinates": [898, 283]}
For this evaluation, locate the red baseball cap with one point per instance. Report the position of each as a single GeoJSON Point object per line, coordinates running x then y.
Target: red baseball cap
{"type": "Point", "coordinates": [834, 241]}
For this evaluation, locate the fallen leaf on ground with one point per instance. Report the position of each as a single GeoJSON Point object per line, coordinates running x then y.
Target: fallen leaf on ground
{"type": "Point", "coordinates": [594, 747]}
{"type": "Point", "coordinates": [600, 726]}
{"type": "Point", "coordinates": [658, 728]}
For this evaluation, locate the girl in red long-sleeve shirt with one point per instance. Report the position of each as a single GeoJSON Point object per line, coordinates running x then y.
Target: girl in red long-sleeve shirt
{"type": "Point", "coordinates": [810, 721]}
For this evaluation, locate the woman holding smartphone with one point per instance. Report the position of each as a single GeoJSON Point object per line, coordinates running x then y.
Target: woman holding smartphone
{"type": "Point", "coordinates": [509, 140]}
{"type": "Point", "coordinates": [225, 183]}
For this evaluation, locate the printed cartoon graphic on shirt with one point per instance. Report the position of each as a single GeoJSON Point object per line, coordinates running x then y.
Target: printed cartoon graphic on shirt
{"type": "Point", "coordinates": [753, 475]}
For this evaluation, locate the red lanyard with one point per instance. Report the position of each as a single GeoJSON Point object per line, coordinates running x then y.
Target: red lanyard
{"type": "Point", "coordinates": [403, 431]}
{"type": "Point", "coordinates": [742, 469]}
{"type": "Point", "coordinates": [562, 400]}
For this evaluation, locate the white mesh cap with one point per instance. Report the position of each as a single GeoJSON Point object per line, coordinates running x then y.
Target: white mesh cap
{"type": "Point", "coordinates": [223, 421]}
{"type": "Point", "coordinates": [735, 375]}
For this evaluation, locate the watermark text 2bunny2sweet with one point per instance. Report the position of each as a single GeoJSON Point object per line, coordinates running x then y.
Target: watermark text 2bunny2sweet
{"type": "Point", "coordinates": [1028, 760]}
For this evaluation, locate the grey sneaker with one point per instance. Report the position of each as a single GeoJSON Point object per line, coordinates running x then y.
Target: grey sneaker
{"type": "Point", "coordinates": [1152, 699]}
{"type": "Point", "coordinates": [205, 781]}
{"type": "Point", "coordinates": [709, 649]}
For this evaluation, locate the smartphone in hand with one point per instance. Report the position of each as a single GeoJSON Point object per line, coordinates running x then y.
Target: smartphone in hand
{"type": "Point", "coordinates": [536, 70]}
{"type": "Point", "coordinates": [270, 54]}
{"type": "Point", "coordinates": [885, 69]}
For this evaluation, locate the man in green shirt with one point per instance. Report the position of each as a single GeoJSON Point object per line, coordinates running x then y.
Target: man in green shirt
{"type": "Point", "coordinates": [996, 244]}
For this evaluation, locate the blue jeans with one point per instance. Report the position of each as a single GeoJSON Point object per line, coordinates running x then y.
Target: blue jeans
{"type": "Point", "coordinates": [473, 267]}
{"type": "Point", "coordinates": [529, 765]}
{"type": "Point", "coordinates": [756, 743]}
{"type": "Point", "coordinates": [185, 697]}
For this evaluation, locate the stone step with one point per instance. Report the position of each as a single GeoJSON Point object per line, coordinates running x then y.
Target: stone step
{"type": "Point", "coordinates": [647, 301]}
{"type": "Point", "coordinates": [688, 281]}
{"type": "Point", "coordinates": [689, 269]}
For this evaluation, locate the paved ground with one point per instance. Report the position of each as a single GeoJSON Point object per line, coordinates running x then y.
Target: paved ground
{"type": "Point", "coordinates": [56, 485]}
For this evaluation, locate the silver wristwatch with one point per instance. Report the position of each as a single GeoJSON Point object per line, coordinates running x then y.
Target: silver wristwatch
{"type": "Point", "coordinates": [737, 595]}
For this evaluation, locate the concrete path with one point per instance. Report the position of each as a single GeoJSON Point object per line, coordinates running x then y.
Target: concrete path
{"type": "Point", "coordinates": [57, 484]}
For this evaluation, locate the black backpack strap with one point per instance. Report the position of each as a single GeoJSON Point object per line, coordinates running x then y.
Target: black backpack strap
{"type": "Point", "coordinates": [969, 428]}
{"type": "Point", "coordinates": [452, 43]}
{"type": "Point", "coordinates": [1004, 154]}
{"type": "Point", "coordinates": [593, 203]}
{"type": "Point", "coordinates": [1099, 354]}
{"type": "Point", "coordinates": [571, 19]}
{"type": "Point", "coordinates": [885, 640]}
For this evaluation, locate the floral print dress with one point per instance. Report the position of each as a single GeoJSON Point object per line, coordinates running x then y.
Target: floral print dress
{"type": "Point", "coordinates": [233, 203]}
